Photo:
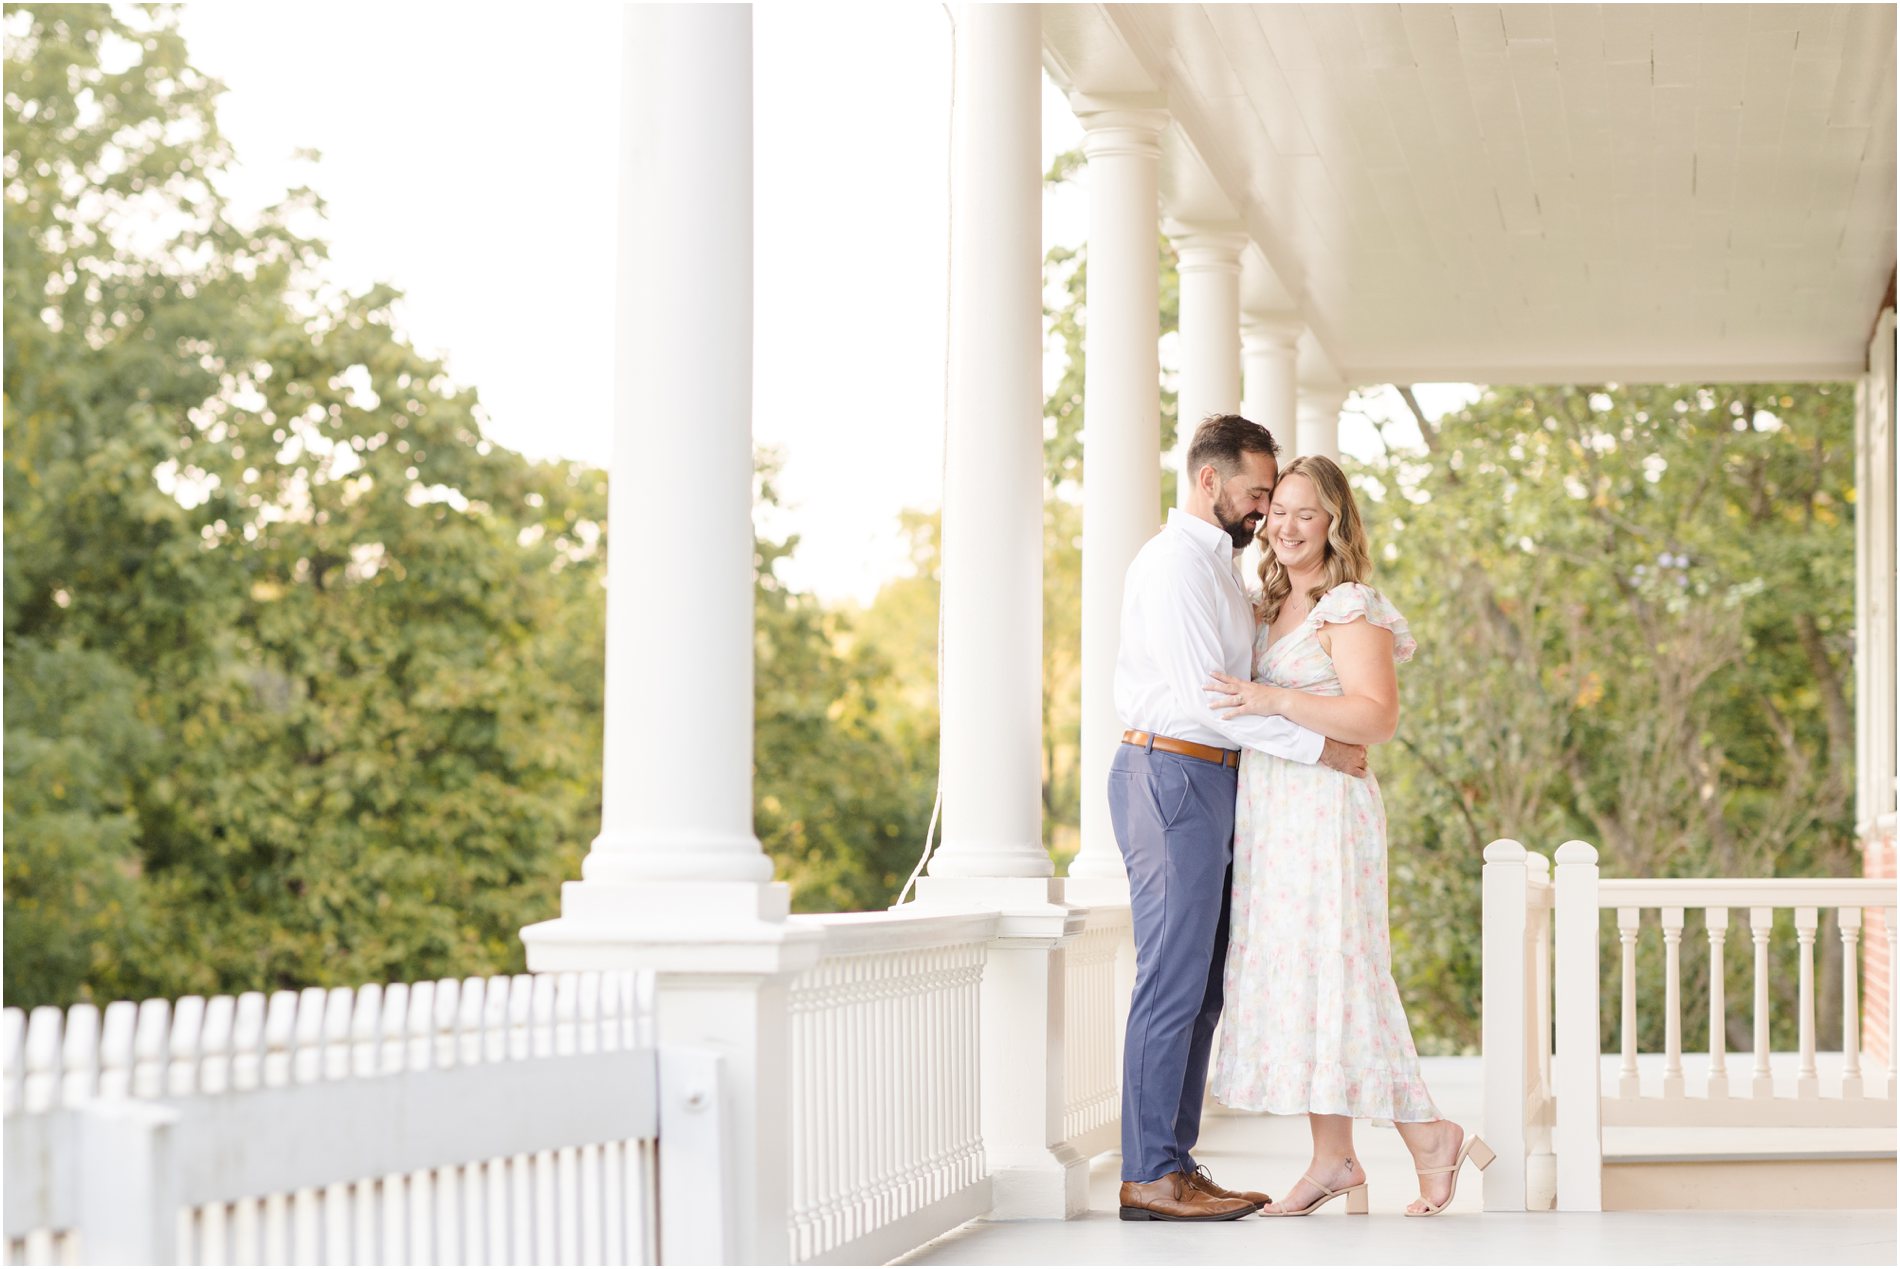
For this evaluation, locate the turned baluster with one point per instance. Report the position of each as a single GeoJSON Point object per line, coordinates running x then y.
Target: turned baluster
{"type": "Point", "coordinates": [1761, 923]}
{"type": "Point", "coordinates": [1715, 920]}
{"type": "Point", "coordinates": [1628, 926]}
{"type": "Point", "coordinates": [1850, 1002]}
{"type": "Point", "coordinates": [1672, 922]}
{"type": "Point", "coordinates": [1893, 1001]}
{"type": "Point", "coordinates": [1806, 922]}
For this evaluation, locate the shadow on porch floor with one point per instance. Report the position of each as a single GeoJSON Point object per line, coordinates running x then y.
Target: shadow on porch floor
{"type": "Point", "coordinates": [1269, 1153]}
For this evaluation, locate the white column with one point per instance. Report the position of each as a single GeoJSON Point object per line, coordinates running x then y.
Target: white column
{"type": "Point", "coordinates": [992, 855]}
{"type": "Point", "coordinates": [676, 882]}
{"type": "Point", "coordinates": [1121, 473]}
{"type": "Point", "coordinates": [992, 503]}
{"type": "Point", "coordinates": [1269, 348]}
{"type": "Point", "coordinates": [1209, 269]}
{"type": "Point", "coordinates": [1320, 404]}
{"type": "Point", "coordinates": [1874, 606]}
{"type": "Point", "coordinates": [1877, 649]}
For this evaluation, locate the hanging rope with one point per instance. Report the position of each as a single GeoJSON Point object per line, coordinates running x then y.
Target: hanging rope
{"type": "Point", "coordinates": [936, 810]}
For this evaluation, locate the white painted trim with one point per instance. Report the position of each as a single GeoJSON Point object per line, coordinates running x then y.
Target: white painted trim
{"type": "Point", "coordinates": [1452, 370]}
{"type": "Point", "coordinates": [1738, 892]}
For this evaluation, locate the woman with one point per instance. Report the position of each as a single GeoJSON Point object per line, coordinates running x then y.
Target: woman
{"type": "Point", "coordinates": [1313, 1022]}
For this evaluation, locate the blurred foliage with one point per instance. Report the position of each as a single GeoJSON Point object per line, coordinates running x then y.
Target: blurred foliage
{"type": "Point", "coordinates": [1635, 608]}
{"type": "Point", "coordinates": [846, 739]}
{"type": "Point", "coordinates": [305, 675]}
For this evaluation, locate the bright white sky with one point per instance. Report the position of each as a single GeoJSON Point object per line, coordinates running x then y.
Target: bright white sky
{"type": "Point", "coordinates": [468, 158]}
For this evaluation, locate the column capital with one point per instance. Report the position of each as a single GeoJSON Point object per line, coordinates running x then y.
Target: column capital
{"type": "Point", "coordinates": [1271, 331]}
{"type": "Point", "coordinates": [1205, 246]}
{"type": "Point", "coordinates": [1129, 124]}
{"type": "Point", "coordinates": [1324, 396]}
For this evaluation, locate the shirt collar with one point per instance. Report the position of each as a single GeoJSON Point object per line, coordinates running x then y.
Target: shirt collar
{"type": "Point", "coordinates": [1209, 537]}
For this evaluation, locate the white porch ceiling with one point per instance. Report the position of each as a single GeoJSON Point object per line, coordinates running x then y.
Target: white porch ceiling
{"type": "Point", "coordinates": [1529, 192]}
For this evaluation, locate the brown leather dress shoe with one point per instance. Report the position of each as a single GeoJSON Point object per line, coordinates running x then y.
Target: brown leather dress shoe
{"type": "Point", "coordinates": [1203, 1180]}
{"type": "Point", "coordinates": [1174, 1198]}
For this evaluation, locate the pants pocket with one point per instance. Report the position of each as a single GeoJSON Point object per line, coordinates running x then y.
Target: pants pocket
{"type": "Point", "coordinates": [1172, 791]}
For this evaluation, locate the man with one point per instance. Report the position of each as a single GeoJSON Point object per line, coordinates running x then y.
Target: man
{"type": "Point", "coordinates": [1171, 790]}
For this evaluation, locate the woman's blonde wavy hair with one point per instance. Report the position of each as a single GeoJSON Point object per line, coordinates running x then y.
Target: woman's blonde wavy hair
{"type": "Point", "coordinates": [1348, 557]}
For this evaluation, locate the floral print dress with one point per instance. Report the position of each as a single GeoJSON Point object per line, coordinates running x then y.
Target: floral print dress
{"type": "Point", "coordinates": [1313, 1022]}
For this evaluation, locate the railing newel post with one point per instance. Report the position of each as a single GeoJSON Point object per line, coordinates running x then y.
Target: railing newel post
{"type": "Point", "coordinates": [1503, 1025]}
{"type": "Point", "coordinates": [1579, 1088]}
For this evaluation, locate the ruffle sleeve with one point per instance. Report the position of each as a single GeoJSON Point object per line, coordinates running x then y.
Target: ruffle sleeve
{"type": "Point", "coordinates": [1351, 600]}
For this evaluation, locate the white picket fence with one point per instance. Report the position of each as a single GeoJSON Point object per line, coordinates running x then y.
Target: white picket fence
{"type": "Point", "coordinates": [1542, 971]}
{"type": "Point", "coordinates": [478, 1121]}
{"type": "Point", "coordinates": [524, 1119]}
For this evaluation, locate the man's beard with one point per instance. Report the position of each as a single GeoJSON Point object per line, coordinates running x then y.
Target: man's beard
{"type": "Point", "coordinates": [1241, 531]}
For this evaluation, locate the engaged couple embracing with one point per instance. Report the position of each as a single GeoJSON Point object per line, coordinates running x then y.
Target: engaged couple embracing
{"type": "Point", "coordinates": [1254, 836]}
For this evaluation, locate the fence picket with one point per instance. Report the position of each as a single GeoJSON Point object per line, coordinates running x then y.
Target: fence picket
{"type": "Point", "coordinates": [79, 1056]}
{"type": "Point", "coordinates": [13, 1057]}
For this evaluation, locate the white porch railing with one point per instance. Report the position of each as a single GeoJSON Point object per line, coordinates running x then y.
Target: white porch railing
{"type": "Point", "coordinates": [485, 1121]}
{"type": "Point", "coordinates": [887, 1147]}
{"type": "Point", "coordinates": [887, 1055]}
{"type": "Point", "coordinates": [1098, 974]}
{"type": "Point", "coordinates": [1523, 994]}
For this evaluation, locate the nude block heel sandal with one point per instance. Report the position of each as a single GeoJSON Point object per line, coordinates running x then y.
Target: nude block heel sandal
{"type": "Point", "coordinates": [1477, 1152]}
{"type": "Point", "coordinates": [1357, 1202]}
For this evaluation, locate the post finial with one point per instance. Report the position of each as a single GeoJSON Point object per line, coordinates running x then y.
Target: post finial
{"type": "Point", "coordinates": [1575, 852]}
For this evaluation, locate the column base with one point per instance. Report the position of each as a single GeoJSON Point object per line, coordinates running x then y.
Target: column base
{"type": "Point", "coordinates": [1034, 910]}
{"type": "Point", "coordinates": [1057, 1190]}
{"type": "Point", "coordinates": [698, 927]}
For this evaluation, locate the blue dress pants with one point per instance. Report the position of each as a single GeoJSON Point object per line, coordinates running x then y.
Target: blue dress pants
{"type": "Point", "coordinates": [1174, 820]}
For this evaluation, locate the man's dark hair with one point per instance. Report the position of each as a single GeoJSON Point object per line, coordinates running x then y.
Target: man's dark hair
{"type": "Point", "coordinates": [1222, 438]}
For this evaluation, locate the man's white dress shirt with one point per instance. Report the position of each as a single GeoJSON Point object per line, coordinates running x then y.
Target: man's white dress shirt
{"type": "Point", "coordinates": [1185, 614]}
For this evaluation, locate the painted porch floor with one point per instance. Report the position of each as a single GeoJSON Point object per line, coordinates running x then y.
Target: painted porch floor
{"type": "Point", "coordinates": [1269, 1153]}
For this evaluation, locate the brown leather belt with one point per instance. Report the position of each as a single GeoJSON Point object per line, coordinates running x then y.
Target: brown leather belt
{"type": "Point", "coordinates": [1186, 748]}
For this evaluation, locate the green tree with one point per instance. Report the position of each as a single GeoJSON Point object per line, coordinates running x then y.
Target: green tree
{"type": "Point", "coordinates": [1634, 607]}
{"type": "Point", "coordinates": [307, 671]}
{"type": "Point", "coordinates": [846, 737]}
